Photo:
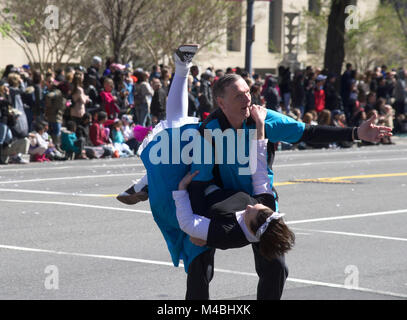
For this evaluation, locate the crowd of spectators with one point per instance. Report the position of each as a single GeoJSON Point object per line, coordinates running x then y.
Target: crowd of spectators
{"type": "Point", "coordinates": [78, 113]}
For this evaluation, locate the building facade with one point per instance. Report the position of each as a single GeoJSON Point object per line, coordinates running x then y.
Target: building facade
{"type": "Point", "coordinates": [281, 34]}
{"type": "Point", "coordinates": [282, 31]}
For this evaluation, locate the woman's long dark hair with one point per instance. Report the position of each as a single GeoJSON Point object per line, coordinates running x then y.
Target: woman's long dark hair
{"type": "Point", "coordinates": [277, 239]}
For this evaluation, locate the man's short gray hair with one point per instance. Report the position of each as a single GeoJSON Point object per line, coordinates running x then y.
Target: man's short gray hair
{"type": "Point", "coordinates": [223, 82]}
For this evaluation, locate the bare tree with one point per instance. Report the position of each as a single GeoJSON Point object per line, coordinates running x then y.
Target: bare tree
{"type": "Point", "coordinates": [187, 21]}
{"type": "Point", "coordinates": [400, 7]}
{"type": "Point", "coordinates": [122, 21]}
{"type": "Point", "coordinates": [25, 22]}
{"type": "Point", "coordinates": [378, 40]}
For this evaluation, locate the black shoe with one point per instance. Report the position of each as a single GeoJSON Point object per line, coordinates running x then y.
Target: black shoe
{"type": "Point", "coordinates": [186, 53]}
{"type": "Point", "coordinates": [130, 196]}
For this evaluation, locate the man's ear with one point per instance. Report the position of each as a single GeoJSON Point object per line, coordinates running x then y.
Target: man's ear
{"type": "Point", "coordinates": [219, 101]}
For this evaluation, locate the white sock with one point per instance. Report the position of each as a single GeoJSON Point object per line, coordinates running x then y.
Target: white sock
{"type": "Point", "coordinates": [140, 184]}
{"type": "Point", "coordinates": [182, 69]}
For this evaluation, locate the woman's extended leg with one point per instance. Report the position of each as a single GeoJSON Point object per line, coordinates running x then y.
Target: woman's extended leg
{"type": "Point", "coordinates": [177, 103]}
{"type": "Point", "coordinates": [176, 109]}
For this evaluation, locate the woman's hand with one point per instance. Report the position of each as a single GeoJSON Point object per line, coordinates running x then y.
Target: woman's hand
{"type": "Point", "coordinates": [184, 183]}
{"type": "Point", "coordinates": [198, 242]}
{"type": "Point", "coordinates": [258, 114]}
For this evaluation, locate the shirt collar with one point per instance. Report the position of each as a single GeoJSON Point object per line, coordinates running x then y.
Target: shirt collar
{"type": "Point", "coordinates": [240, 219]}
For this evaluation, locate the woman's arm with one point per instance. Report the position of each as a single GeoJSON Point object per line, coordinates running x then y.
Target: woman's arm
{"type": "Point", "coordinates": [260, 178]}
{"type": "Point", "coordinates": [192, 224]}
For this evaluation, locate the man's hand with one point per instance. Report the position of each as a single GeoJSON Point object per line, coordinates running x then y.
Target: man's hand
{"type": "Point", "coordinates": [372, 133]}
{"type": "Point", "coordinates": [198, 242]}
{"type": "Point", "coordinates": [184, 183]}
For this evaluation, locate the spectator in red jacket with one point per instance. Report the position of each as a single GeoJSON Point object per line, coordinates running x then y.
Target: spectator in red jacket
{"type": "Point", "coordinates": [97, 133]}
{"type": "Point", "coordinates": [320, 93]}
{"type": "Point", "coordinates": [108, 100]}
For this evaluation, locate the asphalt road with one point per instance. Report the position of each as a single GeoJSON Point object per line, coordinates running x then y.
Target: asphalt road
{"type": "Point", "coordinates": [63, 235]}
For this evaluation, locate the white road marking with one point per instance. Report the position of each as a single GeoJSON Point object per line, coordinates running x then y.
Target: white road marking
{"type": "Point", "coordinates": [276, 165]}
{"type": "Point", "coordinates": [337, 152]}
{"type": "Point", "coordinates": [76, 177]}
{"type": "Point", "coordinates": [74, 205]}
{"type": "Point", "coordinates": [354, 216]}
{"type": "Point", "coordinates": [155, 262]}
{"type": "Point", "coordinates": [318, 163]}
{"type": "Point", "coordinates": [106, 166]}
{"type": "Point", "coordinates": [54, 193]}
{"type": "Point", "coordinates": [362, 235]}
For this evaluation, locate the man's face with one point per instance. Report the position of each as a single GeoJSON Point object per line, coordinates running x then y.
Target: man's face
{"type": "Point", "coordinates": [156, 84]}
{"type": "Point", "coordinates": [236, 102]}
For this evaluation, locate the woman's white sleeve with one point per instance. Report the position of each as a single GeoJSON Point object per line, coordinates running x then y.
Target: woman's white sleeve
{"type": "Point", "coordinates": [192, 224]}
{"type": "Point", "coordinates": [260, 178]}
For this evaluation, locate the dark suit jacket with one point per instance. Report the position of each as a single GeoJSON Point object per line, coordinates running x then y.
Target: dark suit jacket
{"type": "Point", "coordinates": [224, 230]}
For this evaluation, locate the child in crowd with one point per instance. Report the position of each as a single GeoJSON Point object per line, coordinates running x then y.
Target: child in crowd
{"type": "Point", "coordinates": [70, 143]}
{"type": "Point", "coordinates": [38, 146]}
{"type": "Point", "coordinates": [119, 142]}
{"type": "Point", "coordinates": [128, 132]}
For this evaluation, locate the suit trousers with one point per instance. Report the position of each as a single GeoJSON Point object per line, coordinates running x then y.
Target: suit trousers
{"type": "Point", "coordinates": [272, 276]}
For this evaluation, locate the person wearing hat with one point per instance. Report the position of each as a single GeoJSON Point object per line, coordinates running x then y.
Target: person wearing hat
{"type": "Point", "coordinates": [320, 93]}
{"type": "Point", "coordinates": [94, 70]}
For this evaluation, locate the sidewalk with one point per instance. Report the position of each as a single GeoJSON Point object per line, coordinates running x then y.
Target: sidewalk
{"type": "Point", "coordinates": [400, 139]}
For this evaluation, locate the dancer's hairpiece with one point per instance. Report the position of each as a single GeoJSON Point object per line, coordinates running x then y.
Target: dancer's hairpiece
{"type": "Point", "coordinates": [263, 227]}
